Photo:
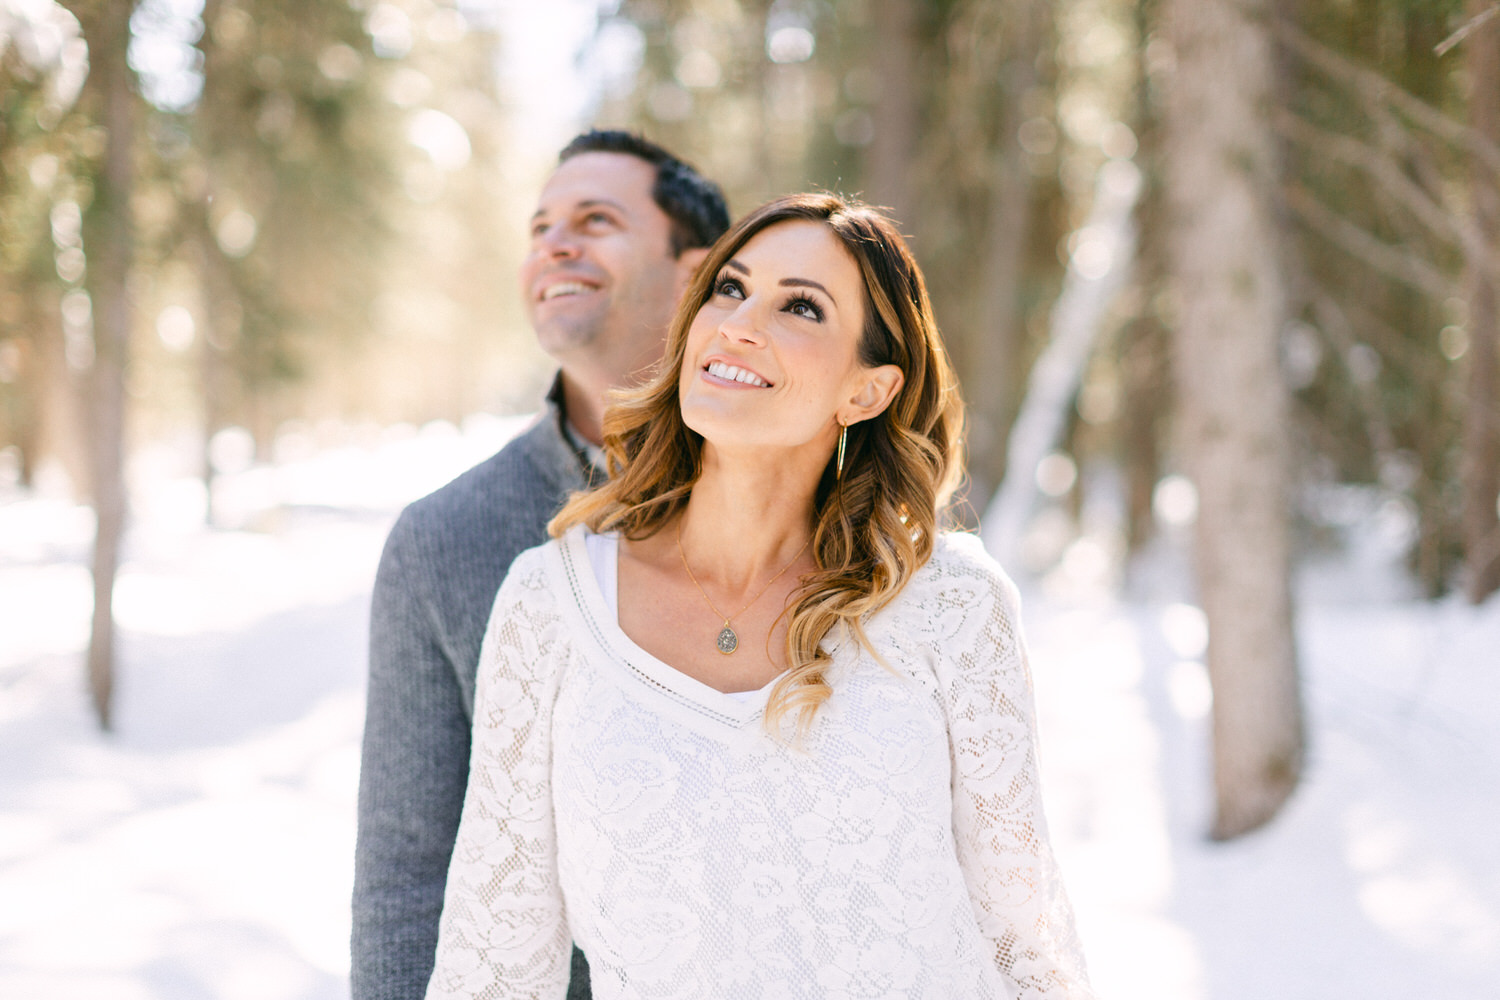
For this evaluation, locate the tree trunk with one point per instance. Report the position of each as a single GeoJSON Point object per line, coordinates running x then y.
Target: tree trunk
{"type": "Point", "coordinates": [1144, 354]}
{"type": "Point", "coordinates": [110, 97]}
{"type": "Point", "coordinates": [61, 396]}
{"type": "Point", "coordinates": [216, 289]}
{"type": "Point", "coordinates": [1481, 437]}
{"type": "Point", "coordinates": [889, 169]}
{"type": "Point", "coordinates": [216, 293]}
{"type": "Point", "coordinates": [1053, 382]}
{"type": "Point", "coordinates": [21, 385]}
{"type": "Point", "coordinates": [1220, 170]}
{"type": "Point", "coordinates": [996, 352]}
{"type": "Point", "coordinates": [1145, 397]}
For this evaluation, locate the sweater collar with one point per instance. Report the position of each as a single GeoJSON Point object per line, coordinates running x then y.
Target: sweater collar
{"type": "Point", "coordinates": [589, 456]}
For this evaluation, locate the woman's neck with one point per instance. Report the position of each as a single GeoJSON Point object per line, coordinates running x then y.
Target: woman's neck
{"type": "Point", "coordinates": [747, 518]}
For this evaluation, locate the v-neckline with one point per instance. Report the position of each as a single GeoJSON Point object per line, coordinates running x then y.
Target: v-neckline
{"type": "Point", "coordinates": [656, 673]}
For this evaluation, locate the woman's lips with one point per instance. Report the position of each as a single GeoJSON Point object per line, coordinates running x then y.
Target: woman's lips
{"type": "Point", "coordinates": [734, 373]}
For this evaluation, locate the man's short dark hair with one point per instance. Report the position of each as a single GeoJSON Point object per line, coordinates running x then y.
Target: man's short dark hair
{"type": "Point", "coordinates": [693, 203]}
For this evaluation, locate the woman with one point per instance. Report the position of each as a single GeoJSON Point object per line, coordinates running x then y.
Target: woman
{"type": "Point", "coordinates": [750, 725]}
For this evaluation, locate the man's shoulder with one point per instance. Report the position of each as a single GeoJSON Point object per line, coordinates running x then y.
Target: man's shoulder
{"type": "Point", "coordinates": [453, 547]}
{"type": "Point", "coordinates": [534, 468]}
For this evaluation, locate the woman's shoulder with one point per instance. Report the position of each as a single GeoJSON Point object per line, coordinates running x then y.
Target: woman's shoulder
{"type": "Point", "coordinates": [557, 567]}
{"type": "Point", "coordinates": [961, 602]}
{"type": "Point", "coordinates": [960, 562]}
{"type": "Point", "coordinates": [550, 549]}
{"type": "Point", "coordinates": [961, 547]}
{"type": "Point", "coordinates": [533, 570]}
{"type": "Point", "coordinates": [535, 559]}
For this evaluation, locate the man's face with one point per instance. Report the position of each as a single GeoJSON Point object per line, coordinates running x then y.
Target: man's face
{"type": "Point", "coordinates": [600, 282]}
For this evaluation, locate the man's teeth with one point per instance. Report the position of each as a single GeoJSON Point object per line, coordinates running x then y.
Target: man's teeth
{"type": "Point", "coordinates": [563, 288]}
{"type": "Point", "coordinates": [734, 374]}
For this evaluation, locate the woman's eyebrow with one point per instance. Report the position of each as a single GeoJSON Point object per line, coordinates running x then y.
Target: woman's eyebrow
{"type": "Point", "coordinates": [735, 265]}
{"type": "Point", "coordinates": [807, 283]}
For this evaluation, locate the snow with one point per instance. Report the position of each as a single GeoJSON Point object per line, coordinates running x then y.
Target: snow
{"type": "Point", "coordinates": [204, 849]}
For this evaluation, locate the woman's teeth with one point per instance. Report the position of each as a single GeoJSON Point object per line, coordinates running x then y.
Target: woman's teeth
{"type": "Point", "coordinates": [734, 374]}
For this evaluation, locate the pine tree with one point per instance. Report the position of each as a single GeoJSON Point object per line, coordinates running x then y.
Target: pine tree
{"type": "Point", "coordinates": [110, 98]}
{"type": "Point", "coordinates": [1221, 173]}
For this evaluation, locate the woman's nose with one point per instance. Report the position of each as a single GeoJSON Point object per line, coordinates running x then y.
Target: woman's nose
{"type": "Point", "coordinates": [744, 324]}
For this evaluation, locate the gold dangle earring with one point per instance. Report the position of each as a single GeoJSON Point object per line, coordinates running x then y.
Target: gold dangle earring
{"type": "Point", "coordinates": [843, 439]}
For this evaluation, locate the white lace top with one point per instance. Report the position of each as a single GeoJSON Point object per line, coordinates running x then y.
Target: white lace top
{"type": "Point", "coordinates": [899, 852]}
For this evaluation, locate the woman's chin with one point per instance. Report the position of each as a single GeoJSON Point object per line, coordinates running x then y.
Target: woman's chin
{"type": "Point", "coordinates": [718, 420]}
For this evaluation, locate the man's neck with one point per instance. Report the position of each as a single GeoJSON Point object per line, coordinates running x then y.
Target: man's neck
{"type": "Point", "coordinates": [583, 408]}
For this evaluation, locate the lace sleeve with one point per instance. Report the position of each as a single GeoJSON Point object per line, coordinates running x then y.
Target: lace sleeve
{"type": "Point", "coordinates": [998, 822]}
{"type": "Point", "coordinates": [503, 931]}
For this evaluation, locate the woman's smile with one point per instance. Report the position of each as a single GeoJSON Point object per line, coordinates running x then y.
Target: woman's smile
{"type": "Point", "coordinates": [734, 375]}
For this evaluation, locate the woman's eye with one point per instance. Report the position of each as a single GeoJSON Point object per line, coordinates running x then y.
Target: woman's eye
{"type": "Point", "coordinates": [805, 308]}
{"type": "Point", "coordinates": [730, 287]}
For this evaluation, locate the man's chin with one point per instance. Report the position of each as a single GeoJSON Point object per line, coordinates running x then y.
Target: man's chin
{"type": "Point", "coordinates": [559, 338]}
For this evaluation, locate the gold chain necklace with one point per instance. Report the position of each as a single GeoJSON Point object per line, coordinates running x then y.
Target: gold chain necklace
{"type": "Point", "coordinates": [728, 641]}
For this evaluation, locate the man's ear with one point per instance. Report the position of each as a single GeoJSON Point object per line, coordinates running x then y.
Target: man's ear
{"type": "Point", "coordinates": [877, 387]}
{"type": "Point", "coordinates": [687, 265]}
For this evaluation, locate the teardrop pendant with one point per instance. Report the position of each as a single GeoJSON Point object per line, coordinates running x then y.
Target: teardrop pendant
{"type": "Point", "coordinates": [727, 642]}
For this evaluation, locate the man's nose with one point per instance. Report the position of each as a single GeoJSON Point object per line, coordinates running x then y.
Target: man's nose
{"type": "Point", "coordinates": [558, 241]}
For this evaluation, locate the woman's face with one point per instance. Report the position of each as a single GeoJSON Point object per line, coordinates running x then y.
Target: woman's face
{"type": "Point", "coordinates": [772, 357]}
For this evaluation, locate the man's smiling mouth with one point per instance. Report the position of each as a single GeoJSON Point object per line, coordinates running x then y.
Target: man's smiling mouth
{"type": "Point", "coordinates": [563, 288]}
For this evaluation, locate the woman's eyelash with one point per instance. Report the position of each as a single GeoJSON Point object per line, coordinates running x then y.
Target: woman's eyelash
{"type": "Point", "coordinates": [802, 300]}
{"type": "Point", "coordinates": [726, 284]}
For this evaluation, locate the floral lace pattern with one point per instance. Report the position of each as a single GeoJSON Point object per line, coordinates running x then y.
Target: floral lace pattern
{"type": "Point", "coordinates": [899, 851]}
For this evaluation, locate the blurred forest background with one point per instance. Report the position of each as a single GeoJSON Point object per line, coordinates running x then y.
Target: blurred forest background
{"type": "Point", "coordinates": [1227, 259]}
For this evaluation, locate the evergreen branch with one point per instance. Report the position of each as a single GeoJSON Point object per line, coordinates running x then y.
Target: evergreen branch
{"type": "Point", "coordinates": [1343, 313]}
{"type": "Point", "coordinates": [1414, 355]}
{"type": "Point", "coordinates": [1457, 229]}
{"type": "Point", "coordinates": [1391, 260]}
{"type": "Point", "coordinates": [1465, 30]}
{"type": "Point", "coordinates": [1336, 328]}
{"type": "Point", "coordinates": [1371, 86]}
{"type": "Point", "coordinates": [1392, 180]}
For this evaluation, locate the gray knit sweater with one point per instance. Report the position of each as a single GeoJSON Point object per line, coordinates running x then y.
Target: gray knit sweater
{"type": "Point", "coordinates": [443, 563]}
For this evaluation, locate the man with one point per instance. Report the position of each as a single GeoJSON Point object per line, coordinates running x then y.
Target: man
{"type": "Point", "coordinates": [619, 228]}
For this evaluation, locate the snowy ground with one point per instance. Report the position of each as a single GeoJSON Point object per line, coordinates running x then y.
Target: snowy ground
{"type": "Point", "coordinates": [204, 849]}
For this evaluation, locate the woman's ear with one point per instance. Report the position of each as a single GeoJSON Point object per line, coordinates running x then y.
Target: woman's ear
{"type": "Point", "coordinates": [877, 387]}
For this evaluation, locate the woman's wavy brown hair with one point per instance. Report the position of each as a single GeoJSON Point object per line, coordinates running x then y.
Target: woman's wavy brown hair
{"type": "Point", "coordinates": [874, 527]}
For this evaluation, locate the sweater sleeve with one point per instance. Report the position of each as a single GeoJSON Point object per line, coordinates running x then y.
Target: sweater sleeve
{"type": "Point", "coordinates": [998, 822]}
{"type": "Point", "coordinates": [503, 931]}
{"type": "Point", "coordinates": [414, 764]}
